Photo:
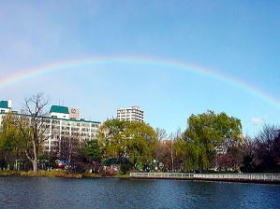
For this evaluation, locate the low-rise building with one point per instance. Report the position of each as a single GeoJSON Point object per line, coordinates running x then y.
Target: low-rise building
{"type": "Point", "coordinates": [61, 130]}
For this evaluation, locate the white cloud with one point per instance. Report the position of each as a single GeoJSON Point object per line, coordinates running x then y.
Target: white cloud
{"type": "Point", "coordinates": [256, 121]}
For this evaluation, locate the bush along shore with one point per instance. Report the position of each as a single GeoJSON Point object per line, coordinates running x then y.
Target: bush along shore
{"type": "Point", "coordinates": [57, 173]}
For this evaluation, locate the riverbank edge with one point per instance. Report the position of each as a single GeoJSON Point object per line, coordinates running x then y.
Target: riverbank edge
{"type": "Point", "coordinates": [212, 180]}
{"type": "Point", "coordinates": [263, 178]}
{"type": "Point", "coordinates": [58, 174]}
{"type": "Point", "coordinates": [64, 174]}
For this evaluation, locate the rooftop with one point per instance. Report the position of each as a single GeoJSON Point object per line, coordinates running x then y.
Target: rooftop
{"type": "Point", "coordinates": [59, 109]}
{"type": "Point", "coordinates": [4, 104]}
{"type": "Point", "coordinates": [131, 108]}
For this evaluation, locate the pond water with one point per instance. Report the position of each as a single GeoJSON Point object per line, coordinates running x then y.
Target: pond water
{"type": "Point", "coordinates": [37, 193]}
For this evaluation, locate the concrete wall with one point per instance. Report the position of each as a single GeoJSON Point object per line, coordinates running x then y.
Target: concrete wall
{"type": "Point", "coordinates": [243, 177]}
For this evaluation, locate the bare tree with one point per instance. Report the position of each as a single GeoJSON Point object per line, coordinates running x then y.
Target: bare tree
{"type": "Point", "coordinates": [174, 136]}
{"type": "Point", "coordinates": [266, 151]}
{"type": "Point", "coordinates": [70, 146]}
{"type": "Point", "coordinates": [161, 133]}
{"type": "Point", "coordinates": [268, 133]}
{"type": "Point", "coordinates": [32, 125]}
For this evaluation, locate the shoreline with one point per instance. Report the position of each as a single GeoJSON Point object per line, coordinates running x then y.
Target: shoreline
{"type": "Point", "coordinates": [212, 180]}
{"type": "Point", "coordinates": [64, 174]}
{"type": "Point", "coordinates": [58, 174]}
{"type": "Point", "coordinates": [263, 178]}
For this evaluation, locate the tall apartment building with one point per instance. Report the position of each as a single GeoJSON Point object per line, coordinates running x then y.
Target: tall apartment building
{"type": "Point", "coordinates": [60, 126]}
{"type": "Point", "coordinates": [133, 113]}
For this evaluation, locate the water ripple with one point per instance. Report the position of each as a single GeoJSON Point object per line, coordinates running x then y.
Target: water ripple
{"type": "Point", "coordinates": [108, 193]}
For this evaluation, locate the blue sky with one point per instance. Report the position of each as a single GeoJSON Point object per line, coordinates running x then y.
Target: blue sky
{"type": "Point", "coordinates": [237, 38]}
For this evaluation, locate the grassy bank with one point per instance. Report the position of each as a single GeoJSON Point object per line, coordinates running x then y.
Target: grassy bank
{"type": "Point", "coordinates": [57, 173]}
{"type": "Point", "coordinates": [52, 173]}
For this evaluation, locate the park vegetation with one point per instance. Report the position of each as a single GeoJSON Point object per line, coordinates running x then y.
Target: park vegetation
{"type": "Point", "coordinates": [212, 142]}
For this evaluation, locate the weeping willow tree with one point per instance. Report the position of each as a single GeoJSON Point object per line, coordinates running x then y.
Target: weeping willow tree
{"type": "Point", "coordinates": [204, 134]}
{"type": "Point", "coordinates": [111, 139]}
{"type": "Point", "coordinates": [141, 140]}
{"type": "Point", "coordinates": [133, 140]}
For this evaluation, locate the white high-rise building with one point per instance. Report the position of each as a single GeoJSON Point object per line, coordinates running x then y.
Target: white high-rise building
{"type": "Point", "coordinates": [133, 113]}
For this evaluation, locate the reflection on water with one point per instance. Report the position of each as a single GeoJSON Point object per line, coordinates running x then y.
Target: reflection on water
{"type": "Point", "coordinates": [21, 192]}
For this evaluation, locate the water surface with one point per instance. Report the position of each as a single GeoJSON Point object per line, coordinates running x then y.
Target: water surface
{"type": "Point", "coordinates": [108, 193]}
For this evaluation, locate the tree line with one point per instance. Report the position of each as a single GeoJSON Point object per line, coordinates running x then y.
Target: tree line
{"type": "Point", "coordinates": [211, 142]}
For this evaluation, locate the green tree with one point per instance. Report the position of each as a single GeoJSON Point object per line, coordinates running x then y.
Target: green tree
{"type": "Point", "coordinates": [11, 143]}
{"type": "Point", "coordinates": [111, 139]}
{"type": "Point", "coordinates": [91, 151]}
{"type": "Point", "coordinates": [140, 142]}
{"type": "Point", "coordinates": [204, 134]}
{"type": "Point", "coordinates": [134, 140]}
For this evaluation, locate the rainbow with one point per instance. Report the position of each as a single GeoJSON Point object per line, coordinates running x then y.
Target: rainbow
{"type": "Point", "coordinates": [171, 64]}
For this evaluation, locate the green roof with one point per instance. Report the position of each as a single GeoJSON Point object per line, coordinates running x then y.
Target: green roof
{"type": "Point", "coordinates": [4, 104]}
{"type": "Point", "coordinates": [59, 109]}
